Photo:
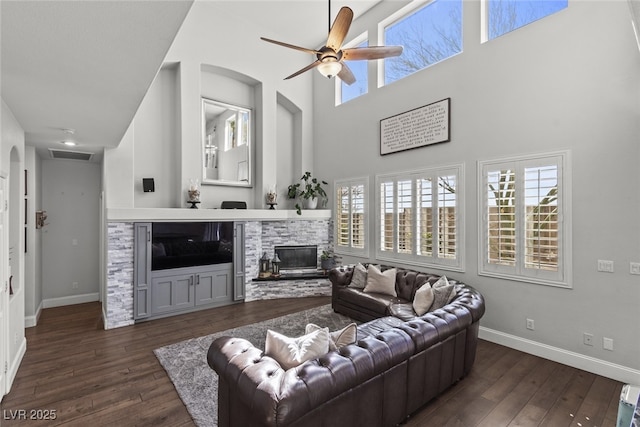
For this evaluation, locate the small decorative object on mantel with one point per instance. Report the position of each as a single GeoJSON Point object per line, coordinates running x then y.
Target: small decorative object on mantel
{"type": "Point", "coordinates": [416, 128]}
{"type": "Point", "coordinates": [265, 266]}
{"type": "Point", "coordinates": [311, 192]}
{"type": "Point", "coordinates": [272, 197]}
{"type": "Point", "coordinates": [275, 265]}
{"type": "Point", "coordinates": [194, 193]}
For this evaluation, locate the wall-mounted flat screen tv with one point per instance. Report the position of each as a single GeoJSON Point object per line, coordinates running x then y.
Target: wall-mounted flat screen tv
{"type": "Point", "coordinates": [189, 244]}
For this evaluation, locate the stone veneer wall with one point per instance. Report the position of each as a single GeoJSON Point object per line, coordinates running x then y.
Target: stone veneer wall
{"type": "Point", "coordinates": [119, 304]}
{"type": "Point", "coordinates": [263, 236]}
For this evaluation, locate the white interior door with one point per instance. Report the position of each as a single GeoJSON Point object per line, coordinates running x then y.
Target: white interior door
{"type": "Point", "coordinates": [4, 292]}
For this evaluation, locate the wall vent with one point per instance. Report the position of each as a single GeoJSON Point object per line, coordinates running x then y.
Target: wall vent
{"type": "Point", "coordinates": [70, 155]}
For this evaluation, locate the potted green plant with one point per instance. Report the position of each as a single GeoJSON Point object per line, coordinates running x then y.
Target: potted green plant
{"type": "Point", "coordinates": [311, 190]}
{"type": "Point", "coordinates": [328, 259]}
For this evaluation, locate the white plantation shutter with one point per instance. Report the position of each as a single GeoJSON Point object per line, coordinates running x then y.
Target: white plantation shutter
{"type": "Point", "coordinates": [420, 217]}
{"type": "Point", "coordinates": [523, 235]}
{"type": "Point", "coordinates": [351, 216]}
{"type": "Point", "coordinates": [387, 211]}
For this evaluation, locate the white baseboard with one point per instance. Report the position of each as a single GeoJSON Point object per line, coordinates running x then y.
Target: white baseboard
{"type": "Point", "coordinates": [620, 373]}
{"type": "Point", "coordinates": [15, 364]}
{"type": "Point", "coordinates": [70, 300]}
{"type": "Point", "coordinates": [31, 321]}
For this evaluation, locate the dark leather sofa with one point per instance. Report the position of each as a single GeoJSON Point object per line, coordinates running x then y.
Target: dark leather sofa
{"type": "Point", "coordinates": [394, 368]}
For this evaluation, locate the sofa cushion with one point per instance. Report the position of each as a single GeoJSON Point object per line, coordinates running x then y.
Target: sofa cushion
{"type": "Point", "coordinates": [359, 278]}
{"type": "Point", "coordinates": [423, 299]}
{"type": "Point", "coordinates": [291, 352]}
{"type": "Point", "coordinates": [381, 282]}
{"type": "Point", "coordinates": [372, 302]}
{"type": "Point", "coordinates": [376, 326]}
{"type": "Point", "coordinates": [443, 293]}
{"type": "Point", "coordinates": [402, 310]}
{"type": "Point", "coordinates": [339, 338]}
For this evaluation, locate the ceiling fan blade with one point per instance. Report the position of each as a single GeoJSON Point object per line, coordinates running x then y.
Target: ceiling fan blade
{"type": "Point", "coordinates": [290, 46]}
{"type": "Point", "coordinates": [346, 75]}
{"type": "Point", "coordinates": [340, 28]}
{"type": "Point", "coordinates": [372, 52]}
{"type": "Point", "coordinates": [307, 68]}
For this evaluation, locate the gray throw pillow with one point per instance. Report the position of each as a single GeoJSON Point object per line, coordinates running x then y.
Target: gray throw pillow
{"type": "Point", "coordinates": [359, 277]}
{"type": "Point", "coordinates": [339, 338]}
{"type": "Point", "coordinates": [443, 293]}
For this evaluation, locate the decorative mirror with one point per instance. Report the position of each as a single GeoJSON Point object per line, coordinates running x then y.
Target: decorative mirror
{"type": "Point", "coordinates": [226, 144]}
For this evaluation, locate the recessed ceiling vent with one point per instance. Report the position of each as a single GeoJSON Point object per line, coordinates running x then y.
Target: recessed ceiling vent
{"type": "Point", "coordinates": [70, 154]}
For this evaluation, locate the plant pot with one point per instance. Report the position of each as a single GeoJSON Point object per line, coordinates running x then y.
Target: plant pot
{"type": "Point", "coordinates": [327, 264]}
{"type": "Point", "coordinates": [311, 203]}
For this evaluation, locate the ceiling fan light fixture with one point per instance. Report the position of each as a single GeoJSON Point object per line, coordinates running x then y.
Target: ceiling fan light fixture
{"type": "Point", "coordinates": [330, 68]}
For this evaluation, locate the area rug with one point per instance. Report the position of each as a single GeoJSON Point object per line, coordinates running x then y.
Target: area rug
{"type": "Point", "coordinates": [197, 384]}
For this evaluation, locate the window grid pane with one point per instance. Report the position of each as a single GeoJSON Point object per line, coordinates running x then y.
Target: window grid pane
{"type": "Point", "coordinates": [429, 35]}
{"type": "Point", "coordinates": [342, 205]}
{"type": "Point", "coordinates": [508, 15]}
{"type": "Point", "coordinates": [501, 217]}
{"type": "Point", "coordinates": [447, 217]}
{"type": "Point", "coordinates": [386, 216]}
{"type": "Point", "coordinates": [405, 217]}
{"type": "Point", "coordinates": [541, 222]}
{"type": "Point", "coordinates": [425, 220]}
{"type": "Point", "coordinates": [357, 216]}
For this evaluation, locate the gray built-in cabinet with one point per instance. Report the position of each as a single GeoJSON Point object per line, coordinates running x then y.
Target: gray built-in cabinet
{"type": "Point", "coordinates": [173, 291]}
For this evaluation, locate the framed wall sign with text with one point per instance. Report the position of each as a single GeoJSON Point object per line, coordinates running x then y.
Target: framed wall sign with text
{"type": "Point", "coordinates": [415, 128]}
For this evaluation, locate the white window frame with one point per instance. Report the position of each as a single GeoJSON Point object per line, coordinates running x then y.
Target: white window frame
{"type": "Point", "coordinates": [412, 7]}
{"type": "Point", "coordinates": [559, 278]}
{"type": "Point", "coordinates": [434, 261]}
{"type": "Point", "coordinates": [350, 250]}
{"type": "Point", "coordinates": [338, 83]}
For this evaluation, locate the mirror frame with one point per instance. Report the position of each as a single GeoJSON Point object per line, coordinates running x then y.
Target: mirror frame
{"type": "Point", "coordinates": [203, 124]}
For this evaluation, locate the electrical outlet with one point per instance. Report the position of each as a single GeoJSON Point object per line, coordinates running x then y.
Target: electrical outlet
{"type": "Point", "coordinates": [634, 268]}
{"type": "Point", "coordinates": [530, 324]}
{"type": "Point", "coordinates": [74, 285]}
{"type": "Point", "coordinates": [587, 338]}
{"type": "Point", "coordinates": [605, 265]}
{"type": "Point", "coordinates": [607, 343]}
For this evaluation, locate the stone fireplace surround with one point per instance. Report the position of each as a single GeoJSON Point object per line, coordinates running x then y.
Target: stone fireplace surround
{"type": "Point", "coordinates": [262, 229]}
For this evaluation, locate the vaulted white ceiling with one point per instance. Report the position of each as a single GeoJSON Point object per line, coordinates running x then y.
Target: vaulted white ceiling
{"type": "Point", "coordinates": [86, 65]}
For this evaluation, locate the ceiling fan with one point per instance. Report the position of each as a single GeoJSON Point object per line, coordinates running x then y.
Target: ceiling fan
{"type": "Point", "coordinates": [330, 57]}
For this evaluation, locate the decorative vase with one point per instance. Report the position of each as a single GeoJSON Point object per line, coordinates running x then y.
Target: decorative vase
{"type": "Point", "coordinates": [311, 202]}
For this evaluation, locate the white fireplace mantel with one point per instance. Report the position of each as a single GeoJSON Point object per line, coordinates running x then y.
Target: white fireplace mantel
{"type": "Point", "coordinates": [186, 214]}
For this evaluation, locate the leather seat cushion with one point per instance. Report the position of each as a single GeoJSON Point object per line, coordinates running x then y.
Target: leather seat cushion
{"type": "Point", "coordinates": [402, 310]}
{"type": "Point", "coordinates": [375, 302]}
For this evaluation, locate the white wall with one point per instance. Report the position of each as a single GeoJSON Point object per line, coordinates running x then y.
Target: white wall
{"type": "Point", "coordinates": [33, 256]}
{"type": "Point", "coordinates": [70, 242]}
{"type": "Point", "coordinates": [194, 46]}
{"type": "Point", "coordinates": [12, 166]}
{"type": "Point", "coordinates": [156, 151]}
{"type": "Point", "coordinates": [570, 81]}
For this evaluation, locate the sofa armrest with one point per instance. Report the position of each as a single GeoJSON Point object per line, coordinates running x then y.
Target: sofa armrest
{"type": "Point", "coordinates": [278, 397]}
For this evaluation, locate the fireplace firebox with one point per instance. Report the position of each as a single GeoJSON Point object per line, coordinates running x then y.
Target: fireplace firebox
{"type": "Point", "coordinates": [297, 257]}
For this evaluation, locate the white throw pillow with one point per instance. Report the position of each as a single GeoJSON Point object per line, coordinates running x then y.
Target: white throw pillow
{"type": "Point", "coordinates": [423, 299]}
{"type": "Point", "coordinates": [291, 352]}
{"type": "Point", "coordinates": [443, 293]}
{"type": "Point", "coordinates": [381, 282]}
{"type": "Point", "coordinates": [339, 338]}
{"type": "Point", "coordinates": [359, 277]}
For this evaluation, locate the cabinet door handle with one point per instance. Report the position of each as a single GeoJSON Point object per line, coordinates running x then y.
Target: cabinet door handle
{"type": "Point", "coordinates": [197, 279]}
{"type": "Point", "coordinates": [191, 281]}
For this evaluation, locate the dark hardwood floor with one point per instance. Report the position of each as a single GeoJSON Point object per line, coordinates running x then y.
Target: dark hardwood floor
{"type": "Point", "coordinates": [90, 376]}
